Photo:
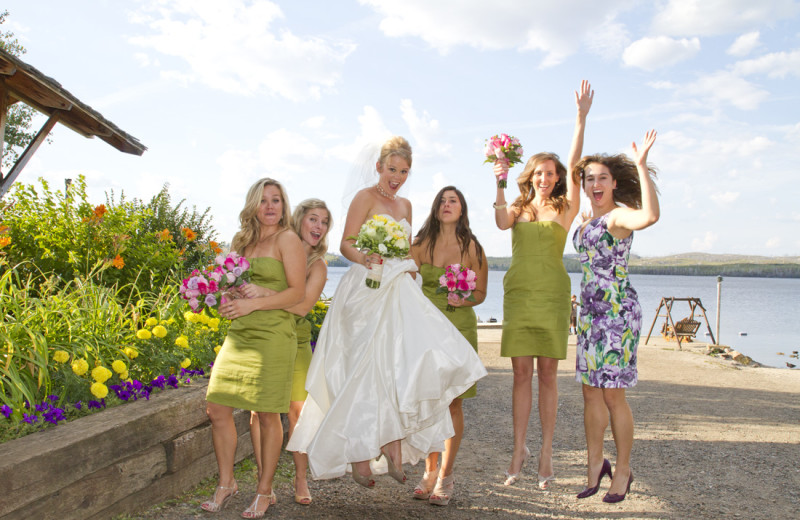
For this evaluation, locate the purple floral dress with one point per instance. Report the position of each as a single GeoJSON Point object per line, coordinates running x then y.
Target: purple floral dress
{"type": "Point", "coordinates": [610, 318]}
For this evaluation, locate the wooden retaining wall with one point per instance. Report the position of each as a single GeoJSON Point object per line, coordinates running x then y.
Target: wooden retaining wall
{"type": "Point", "coordinates": [120, 460]}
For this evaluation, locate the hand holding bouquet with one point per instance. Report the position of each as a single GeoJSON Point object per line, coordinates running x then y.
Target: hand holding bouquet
{"type": "Point", "coordinates": [209, 287]}
{"type": "Point", "coordinates": [382, 236]}
{"type": "Point", "coordinates": [458, 282]}
{"type": "Point", "coordinates": [505, 149]}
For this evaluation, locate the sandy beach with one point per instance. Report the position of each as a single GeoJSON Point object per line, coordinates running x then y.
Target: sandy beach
{"type": "Point", "coordinates": [713, 440]}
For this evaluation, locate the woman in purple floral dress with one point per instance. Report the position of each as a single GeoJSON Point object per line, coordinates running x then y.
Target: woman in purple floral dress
{"type": "Point", "coordinates": [624, 199]}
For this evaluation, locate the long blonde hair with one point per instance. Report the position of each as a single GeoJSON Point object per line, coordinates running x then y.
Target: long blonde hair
{"type": "Point", "coordinates": [250, 227]}
{"type": "Point", "coordinates": [319, 250]}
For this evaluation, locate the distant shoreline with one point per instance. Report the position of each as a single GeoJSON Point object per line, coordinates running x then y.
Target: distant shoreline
{"type": "Point", "coordinates": [689, 264]}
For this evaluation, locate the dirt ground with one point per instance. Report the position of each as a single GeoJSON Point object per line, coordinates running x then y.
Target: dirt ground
{"type": "Point", "coordinates": [713, 440]}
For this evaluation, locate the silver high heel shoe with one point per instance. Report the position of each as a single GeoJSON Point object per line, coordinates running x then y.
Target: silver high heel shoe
{"type": "Point", "coordinates": [512, 478]}
{"type": "Point", "coordinates": [367, 482]}
{"type": "Point", "coordinates": [394, 472]}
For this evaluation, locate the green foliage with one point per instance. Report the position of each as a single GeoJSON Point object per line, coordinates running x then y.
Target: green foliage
{"type": "Point", "coordinates": [63, 234]}
{"type": "Point", "coordinates": [19, 117]}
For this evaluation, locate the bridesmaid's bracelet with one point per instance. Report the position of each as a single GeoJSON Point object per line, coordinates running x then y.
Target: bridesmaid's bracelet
{"type": "Point", "coordinates": [499, 206]}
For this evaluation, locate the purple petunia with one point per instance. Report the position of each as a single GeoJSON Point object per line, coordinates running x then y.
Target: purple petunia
{"type": "Point", "coordinates": [6, 410]}
{"type": "Point", "coordinates": [53, 415]}
{"type": "Point", "coordinates": [30, 419]}
{"type": "Point", "coordinates": [42, 407]}
{"type": "Point", "coordinates": [97, 404]}
{"type": "Point", "coordinates": [78, 405]}
{"type": "Point", "coordinates": [159, 382]}
{"type": "Point", "coordinates": [172, 381]}
{"type": "Point", "coordinates": [53, 398]}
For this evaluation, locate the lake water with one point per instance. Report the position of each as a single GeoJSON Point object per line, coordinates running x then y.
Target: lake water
{"type": "Point", "coordinates": [763, 308]}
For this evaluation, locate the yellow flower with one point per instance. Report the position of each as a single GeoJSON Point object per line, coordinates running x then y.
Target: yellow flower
{"type": "Point", "coordinates": [143, 334]}
{"type": "Point", "coordinates": [182, 341]}
{"type": "Point", "coordinates": [170, 321]}
{"type": "Point", "coordinates": [185, 363]}
{"type": "Point", "coordinates": [204, 319]}
{"type": "Point", "coordinates": [216, 349]}
{"type": "Point", "coordinates": [80, 366]}
{"type": "Point", "coordinates": [99, 390]}
{"type": "Point", "coordinates": [101, 374]}
{"type": "Point", "coordinates": [213, 323]}
{"type": "Point", "coordinates": [119, 366]}
{"type": "Point", "coordinates": [123, 376]}
{"type": "Point", "coordinates": [151, 321]}
{"type": "Point", "coordinates": [60, 356]}
{"type": "Point", "coordinates": [191, 317]}
{"type": "Point", "coordinates": [130, 352]}
{"type": "Point", "coordinates": [159, 331]}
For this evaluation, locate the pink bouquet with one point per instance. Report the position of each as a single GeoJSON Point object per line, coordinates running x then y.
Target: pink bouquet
{"type": "Point", "coordinates": [503, 148]}
{"type": "Point", "coordinates": [458, 282]}
{"type": "Point", "coordinates": [210, 287]}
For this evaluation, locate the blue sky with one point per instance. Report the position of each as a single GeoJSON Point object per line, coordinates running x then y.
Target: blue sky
{"type": "Point", "coordinates": [225, 92]}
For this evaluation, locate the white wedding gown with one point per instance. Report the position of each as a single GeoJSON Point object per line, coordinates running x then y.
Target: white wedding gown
{"type": "Point", "coordinates": [386, 366]}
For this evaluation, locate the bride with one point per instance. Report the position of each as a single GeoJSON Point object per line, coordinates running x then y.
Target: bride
{"type": "Point", "coordinates": [387, 362]}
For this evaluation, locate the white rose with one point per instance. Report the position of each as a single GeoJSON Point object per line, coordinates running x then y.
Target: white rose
{"type": "Point", "coordinates": [402, 244]}
{"type": "Point", "coordinates": [382, 249]}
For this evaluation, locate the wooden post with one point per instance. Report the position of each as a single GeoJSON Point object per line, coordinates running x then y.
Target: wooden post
{"type": "Point", "coordinates": [719, 299]}
{"type": "Point", "coordinates": [28, 153]}
{"type": "Point", "coordinates": [4, 106]}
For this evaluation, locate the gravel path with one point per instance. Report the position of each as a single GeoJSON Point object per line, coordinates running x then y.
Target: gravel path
{"type": "Point", "coordinates": [713, 440]}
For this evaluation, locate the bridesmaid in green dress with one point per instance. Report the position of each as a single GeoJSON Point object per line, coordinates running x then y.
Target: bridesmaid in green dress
{"type": "Point", "coordinates": [536, 303]}
{"type": "Point", "coordinates": [253, 370]}
{"type": "Point", "coordinates": [446, 239]}
{"type": "Point", "coordinates": [311, 221]}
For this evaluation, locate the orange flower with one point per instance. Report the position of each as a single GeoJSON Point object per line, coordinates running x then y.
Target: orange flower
{"type": "Point", "coordinates": [99, 211]}
{"type": "Point", "coordinates": [189, 234]}
{"type": "Point", "coordinates": [165, 235]}
{"type": "Point", "coordinates": [4, 241]}
{"type": "Point", "coordinates": [118, 262]}
{"type": "Point", "coordinates": [211, 244]}
{"type": "Point", "coordinates": [3, 229]}
{"type": "Point", "coordinates": [218, 250]}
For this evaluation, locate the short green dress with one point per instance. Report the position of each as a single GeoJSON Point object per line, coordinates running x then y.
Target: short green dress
{"type": "Point", "coordinates": [302, 360]}
{"type": "Point", "coordinates": [253, 370]}
{"type": "Point", "coordinates": [536, 302]}
{"type": "Point", "coordinates": [463, 318]}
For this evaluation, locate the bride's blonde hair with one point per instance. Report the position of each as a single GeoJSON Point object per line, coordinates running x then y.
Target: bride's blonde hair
{"type": "Point", "coordinates": [395, 146]}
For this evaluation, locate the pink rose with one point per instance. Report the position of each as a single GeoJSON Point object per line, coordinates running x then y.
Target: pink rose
{"type": "Point", "coordinates": [230, 277]}
{"type": "Point", "coordinates": [194, 304]}
{"type": "Point", "coordinates": [244, 264]}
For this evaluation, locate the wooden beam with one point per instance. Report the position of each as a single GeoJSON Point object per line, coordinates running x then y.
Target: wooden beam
{"type": "Point", "coordinates": [28, 153]}
{"type": "Point", "coordinates": [4, 104]}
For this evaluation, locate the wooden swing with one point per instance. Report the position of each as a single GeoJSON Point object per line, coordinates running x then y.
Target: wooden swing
{"type": "Point", "coordinates": [684, 329]}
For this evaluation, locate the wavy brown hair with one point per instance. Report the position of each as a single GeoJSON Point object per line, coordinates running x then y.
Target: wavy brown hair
{"type": "Point", "coordinates": [432, 227]}
{"type": "Point", "coordinates": [623, 171]}
{"type": "Point", "coordinates": [558, 199]}
{"type": "Point", "coordinates": [319, 250]}
{"type": "Point", "coordinates": [250, 227]}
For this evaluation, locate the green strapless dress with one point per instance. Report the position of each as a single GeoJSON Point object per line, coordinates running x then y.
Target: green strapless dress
{"type": "Point", "coordinates": [463, 318]}
{"type": "Point", "coordinates": [253, 370]}
{"type": "Point", "coordinates": [302, 360]}
{"type": "Point", "coordinates": [536, 302]}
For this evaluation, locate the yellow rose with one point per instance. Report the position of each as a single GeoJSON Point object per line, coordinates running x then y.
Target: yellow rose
{"type": "Point", "coordinates": [60, 356]}
{"type": "Point", "coordinates": [130, 352]}
{"type": "Point", "coordinates": [185, 363]}
{"type": "Point", "coordinates": [151, 321]}
{"type": "Point", "coordinates": [159, 331]}
{"type": "Point", "coordinates": [80, 366]}
{"type": "Point", "coordinates": [216, 349]}
{"type": "Point", "coordinates": [213, 323]}
{"type": "Point", "coordinates": [99, 390]}
{"type": "Point", "coordinates": [119, 366]}
{"type": "Point", "coordinates": [143, 334]}
{"type": "Point", "coordinates": [101, 374]}
{"type": "Point", "coordinates": [182, 341]}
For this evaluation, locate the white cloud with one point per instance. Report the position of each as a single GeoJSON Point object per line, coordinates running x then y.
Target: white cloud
{"type": "Point", "coordinates": [314, 122]}
{"type": "Point", "coordinates": [714, 17]}
{"type": "Point", "coordinates": [372, 133]}
{"type": "Point", "coordinates": [745, 44]}
{"type": "Point", "coordinates": [723, 86]}
{"type": "Point", "coordinates": [774, 65]}
{"type": "Point", "coordinates": [554, 28]}
{"type": "Point", "coordinates": [773, 242]}
{"type": "Point", "coordinates": [424, 133]}
{"type": "Point", "coordinates": [725, 199]}
{"type": "Point", "coordinates": [706, 243]}
{"type": "Point", "coordinates": [661, 51]}
{"type": "Point", "coordinates": [234, 47]}
{"type": "Point", "coordinates": [608, 42]}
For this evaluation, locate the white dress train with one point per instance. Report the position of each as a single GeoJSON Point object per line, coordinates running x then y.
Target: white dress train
{"type": "Point", "coordinates": [386, 366]}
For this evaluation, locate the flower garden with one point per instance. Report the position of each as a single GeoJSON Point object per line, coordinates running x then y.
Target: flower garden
{"type": "Point", "coordinates": [89, 294]}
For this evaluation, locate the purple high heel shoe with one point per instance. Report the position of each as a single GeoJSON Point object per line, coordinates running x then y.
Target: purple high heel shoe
{"type": "Point", "coordinates": [613, 498]}
{"type": "Point", "coordinates": [605, 470]}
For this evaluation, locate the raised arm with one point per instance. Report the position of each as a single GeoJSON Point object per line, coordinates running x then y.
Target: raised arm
{"type": "Point", "coordinates": [624, 220]}
{"type": "Point", "coordinates": [504, 214]}
{"type": "Point", "coordinates": [583, 101]}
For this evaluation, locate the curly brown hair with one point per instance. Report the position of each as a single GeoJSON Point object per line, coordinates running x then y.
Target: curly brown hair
{"type": "Point", "coordinates": [558, 199]}
{"type": "Point", "coordinates": [623, 171]}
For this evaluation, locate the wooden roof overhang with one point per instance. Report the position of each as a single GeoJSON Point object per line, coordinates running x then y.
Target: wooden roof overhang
{"type": "Point", "coordinates": [22, 82]}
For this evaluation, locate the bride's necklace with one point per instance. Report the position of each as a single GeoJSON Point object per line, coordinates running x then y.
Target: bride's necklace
{"type": "Point", "coordinates": [382, 192]}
